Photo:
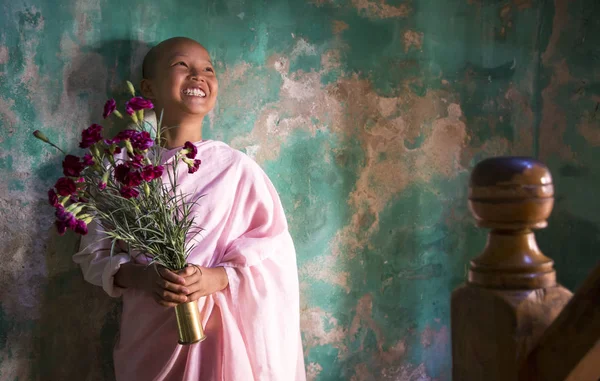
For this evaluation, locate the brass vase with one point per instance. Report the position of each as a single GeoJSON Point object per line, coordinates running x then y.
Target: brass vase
{"type": "Point", "coordinates": [189, 325]}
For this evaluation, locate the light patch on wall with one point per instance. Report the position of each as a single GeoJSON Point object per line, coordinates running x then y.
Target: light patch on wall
{"type": "Point", "coordinates": [313, 370]}
{"type": "Point", "coordinates": [378, 9]}
{"type": "Point", "coordinates": [413, 39]}
{"type": "Point", "coordinates": [4, 57]}
{"type": "Point", "coordinates": [8, 117]}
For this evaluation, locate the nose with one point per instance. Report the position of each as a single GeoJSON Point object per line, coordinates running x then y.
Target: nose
{"type": "Point", "coordinates": [197, 77]}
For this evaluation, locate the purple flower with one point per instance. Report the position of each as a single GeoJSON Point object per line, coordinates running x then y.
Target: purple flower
{"type": "Point", "coordinates": [133, 179]}
{"type": "Point", "coordinates": [114, 140]}
{"type": "Point", "coordinates": [137, 103]}
{"type": "Point", "coordinates": [91, 135]}
{"type": "Point", "coordinates": [65, 186]}
{"type": "Point", "coordinates": [109, 107]}
{"type": "Point", "coordinates": [193, 168]}
{"type": "Point", "coordinates": [148, 173]}
{"type": "Point", "coordinates": [191, 149]}
{"type": "Point", "coordinates": [88, 160]}
{"type": "Point", "coordinates": [53, 198]}
{"type": "Point", "coordinates": [125, 134]}
{"type": "Point", "coordinates": [72, 166]}
{"type": "Point", "coordinates": [142, 141]}
{"type": "Point", "coordinates": [128, 192]}
{"type": "Point", "coordinates": [120, 172]}
{"type": "Point", "coordinates": [102, 185]}
{"type": "Point", "coordinates": [80, 227]}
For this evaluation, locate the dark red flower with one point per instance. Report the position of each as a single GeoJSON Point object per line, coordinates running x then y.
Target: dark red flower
{"type": "Point", "coordinates": [194, 168]}
{"type": "Point", "coordinates": [192, 151]}
{"type": "Point", "coordinates": [129, 192]}
{"type": "Point", "coordinates": [65, 186]}
{"type": "Point", "coordinates": [148, 173]}
{"type": "Point", "coordinates": [80, 227]}
{"type": "Point", "coordinates": [133, 179]}
{"type": "Point", "coordinates": [158, 171]}
{"type": "Point", "coordinates": [53, 198]}
{"type": "Point", "coordinates": [102, 185]}
{"type": "Point", "coordinates": [136, 161]}
{"type": "Point", "coordinates": [137, 103]}
{"type": "Point", "coordinates": [109, 107]}
{"type": "Point", "coordinates": [87, 160]}
{"type": "Point", "coordinates": [61, 227]}
{"type": "Point", "coordinates": [125, 134]}
{"type": "Point", "coordinates": [120, 172]}
{"type": "Point", "coordinates": [72, 166]}
{"type": "Point", "coordinates": [67, 217]}
{"type": "Point", "coordinates": [91, 135]}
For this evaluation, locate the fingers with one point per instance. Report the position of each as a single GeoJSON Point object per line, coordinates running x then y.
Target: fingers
{"type": "Point", "coordinates": [170, 276]}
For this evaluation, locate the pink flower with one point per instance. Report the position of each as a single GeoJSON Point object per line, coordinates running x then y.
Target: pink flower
{"type": "Point", "coordinates": [190, 149]}
{"type": "Point", "coordinates": [102, 185]}
{"type": "Point", "coordinates": [53, 198]}
{"type": "Point", "coordinates": [65, 186]}
{"type": "Point", "coordinates": [72, 166]}
{"type": "Point", "coordinates": [137, 103]}
{"type": "Point", "coordinates": [142, 141]}
{"type": "Point", "coordinates": [148, 173]}
{"type": "Point", "coordinates": [158, 171]}
{"type": "Point", "coordinates": [109, 107]}
{"type": "Point", "coordinates": [88, 160]}
{"type": "Point", "coordinates": [129, 192]}
{"type": "Point", "coordinates": [80, 227]}
{"type": "Point", "coordinates": [91, 135]}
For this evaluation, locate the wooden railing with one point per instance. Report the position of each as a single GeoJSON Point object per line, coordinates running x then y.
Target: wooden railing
{"type": "Point", "coordinates": [511, 320]}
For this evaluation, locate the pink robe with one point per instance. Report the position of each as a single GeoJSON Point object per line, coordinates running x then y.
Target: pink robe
{"type": "Point", "coordinates": [252, 326]}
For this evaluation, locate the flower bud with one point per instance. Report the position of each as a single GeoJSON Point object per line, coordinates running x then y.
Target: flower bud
{"type": "Point", "coordinates": [146, 189]}
{"type": "Point", "coordinates": [131, 88]}
{"type": "Point", "coordinates": [128, 146]}
{"type": "Point", "coordinates": [40, 135]}
{"type": "Point", "coordinates": [118, 114]}
{"type": "Point", "coordinates": [135, 118]}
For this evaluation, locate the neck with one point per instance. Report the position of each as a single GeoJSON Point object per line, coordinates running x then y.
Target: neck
{"type": "Point", "coordinates": [176, 133]}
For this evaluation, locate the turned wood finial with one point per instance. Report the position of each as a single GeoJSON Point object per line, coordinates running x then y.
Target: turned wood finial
{"type": "Point", "coordinates": [511, 196]}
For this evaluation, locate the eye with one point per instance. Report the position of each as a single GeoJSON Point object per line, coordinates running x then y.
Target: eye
{"type": "Point", "coordinates": [210, 69]}
{"type": "Point", "coordinates": [180, 63]}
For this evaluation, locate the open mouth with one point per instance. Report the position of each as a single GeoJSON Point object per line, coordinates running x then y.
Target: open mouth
{"type": "Point", "coordinates": [194, 92]}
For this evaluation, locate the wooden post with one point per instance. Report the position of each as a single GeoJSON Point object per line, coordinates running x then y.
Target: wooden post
{"type": "Point", "coordinates": [511, 294]}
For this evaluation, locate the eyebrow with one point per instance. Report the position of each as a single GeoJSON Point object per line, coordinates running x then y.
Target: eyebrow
{"type": "Point", "coordinates": [172, 57]}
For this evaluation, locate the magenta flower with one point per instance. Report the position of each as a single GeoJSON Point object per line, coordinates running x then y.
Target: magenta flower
{"type": "Point", "coordinates": [133, 179]}
{"type": "Point", "coordinates": [65, 186]}
{"type": "Point", "coordinates": [148, 173]}
{"type": "Point", "coordinates": [128, 192]}
{"type": "Point", "coordinates": [81, 227]}
{"type": "Point", "coordinates": [137, 103]}
{"type": "Point", "coordinates": [114, 140]}
{"type": "Point", "coordinates": [72, 166]}
{"type": "Point", "coordinates": [67, 217]}
{"type": "Point", "coordinates": [142, 141]}
{"type": "Point", "coordinates": [88, 160]}
{"type": "Point", "coordinates": [91, 135]}
{"type": "Point", "coordinates": [102, 185]}
{"type": "Point", "coordinates": [191, 149]}
{"type": "Point", "coordinates": [109, 107]}
{"type": "Point", "coordinates": [53, 198]}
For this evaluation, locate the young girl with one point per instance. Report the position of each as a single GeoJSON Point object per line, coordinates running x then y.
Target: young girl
{"type": "Point", "coordinates": [246, 279]}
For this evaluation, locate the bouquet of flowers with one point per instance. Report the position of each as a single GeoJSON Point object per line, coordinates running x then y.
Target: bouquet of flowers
{"type": "Point", "coordinates": [120, 183]}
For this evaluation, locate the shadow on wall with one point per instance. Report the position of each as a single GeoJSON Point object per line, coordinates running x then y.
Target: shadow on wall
{"type": "Point", "coordinates": [78, 325]}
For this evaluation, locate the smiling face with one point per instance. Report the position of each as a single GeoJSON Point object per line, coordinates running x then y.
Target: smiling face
{"type": "Point", "coordinates": [182, 80]}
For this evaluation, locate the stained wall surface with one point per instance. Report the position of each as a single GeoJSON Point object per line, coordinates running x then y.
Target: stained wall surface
{"type": "Point", "coordinates": [367, 115]}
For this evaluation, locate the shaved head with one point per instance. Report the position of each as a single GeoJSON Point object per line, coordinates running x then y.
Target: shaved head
{"type": "Point", "coordinates": [152, 57]}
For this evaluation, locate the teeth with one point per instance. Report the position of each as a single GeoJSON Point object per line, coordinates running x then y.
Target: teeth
{"type": "Point", "coordinates": [194, 92]}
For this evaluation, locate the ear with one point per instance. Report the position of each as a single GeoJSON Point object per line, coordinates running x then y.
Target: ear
{"type": "Point", "coordinates": [147, 89]}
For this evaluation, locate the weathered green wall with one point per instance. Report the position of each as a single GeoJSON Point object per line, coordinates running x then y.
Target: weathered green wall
{"type": "Point", "coordinates": [367, 115]}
